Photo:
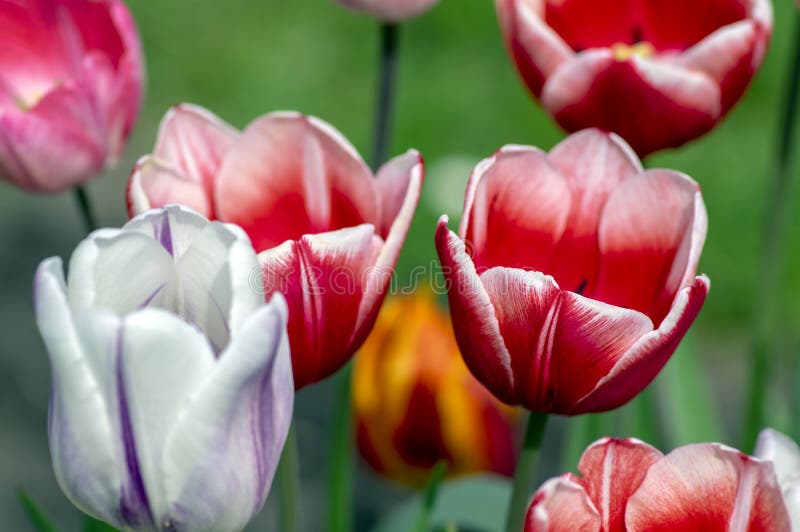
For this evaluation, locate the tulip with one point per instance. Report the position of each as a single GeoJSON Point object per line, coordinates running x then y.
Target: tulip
{"type": "Point", "coordinates": [626, 485]}
{"type": "Point", "coordinates": [415, 403]}
{"type": "Point", "coordinates": [390, 10]}
{"type": "Point", "coordinates": [658, 73]}
{"type": "Point", "coordinates": [171, 379]}
{"type": "Point", "coordinates": [572, 279]}
{"type": "Point", "coordinates": [70, 89]}
{"type": "Point", "coordinates": [784, 454]}
{"type": "Point", "coordinates": [328, 231]}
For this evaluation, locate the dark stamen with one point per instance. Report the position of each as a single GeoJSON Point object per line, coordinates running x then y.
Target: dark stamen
{"type": "Point", "coordinates": [638, 35]}
{"type": "Point", "coordinates": [582, 287]}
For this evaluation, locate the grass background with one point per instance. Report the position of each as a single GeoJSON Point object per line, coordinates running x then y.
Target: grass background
{"type": "Point", "coordinates": [458, 100]}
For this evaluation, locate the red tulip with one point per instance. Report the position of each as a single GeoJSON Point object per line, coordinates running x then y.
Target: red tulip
{"type": "Point", "coordinates": [328, 231]}
{"type": "Point", "coordinates": [658, 72]}
{"type": "Point", "coordinates": [573, 278]}
{"type": "Point", "coordinates": [626, 485]}
{"type": "Point", "coordinates": [71, 78]}
{"type": "Point", "coordinates": [390, 10]}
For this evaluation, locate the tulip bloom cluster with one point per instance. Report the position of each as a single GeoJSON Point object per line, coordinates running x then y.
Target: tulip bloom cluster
{"type": "Point", "coordinates": [328, 231]}
{"type": "Point", "coordinates": [415, 402]}
{"type": "Point", "coordinates": [658, 73]}
{"type": "Point", "coordinates": [70, 89]}
{"type": "Point", "coordinates": [573, 277]}
{"type": "Point", "coordinates": [627, 485]}
{"type": "Point", "coordinates": [172, 385]}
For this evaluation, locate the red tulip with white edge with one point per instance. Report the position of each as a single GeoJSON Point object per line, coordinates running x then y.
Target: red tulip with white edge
{"type": "Point", "coordinates": [657, 72]}
{"type": "Point", "coordinates": [573, 277]}
{"type": "Point", "coordinates": [327, 230]}
{"type": "Point", "coordinates": [71, 83]}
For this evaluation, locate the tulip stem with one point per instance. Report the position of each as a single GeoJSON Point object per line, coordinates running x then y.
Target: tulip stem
{"type": "Point", "coordinates": [526, 471]}
{"type": "Point", "coordinates": [288, 483]}
{"type": "Point", "coordinates": [431, 492]}
{"type": "Point", "coordinates": [85, 206]}
{"type": "Point", "coordinates": [340, 495]}
{"type": "Point", "coordinates": [385, 97]}
{"type": "Point", "coordinates": [766, 310]}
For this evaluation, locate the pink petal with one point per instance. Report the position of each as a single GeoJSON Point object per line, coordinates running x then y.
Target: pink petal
{"type": "Point", "coordinates": [322, 277]}
{"type": "Point", "coordinates": [393, 181]}
{"type": "Point", "coordinates": [588, 340]}
{"type": "Point", "coordinates": [708, 487]}
{"type": "Point", "coordinates": [475, 324]}
{"type": "Point", "coordinates": [639, 366]}
{"type": "Point", "coordinates": [153, 185]}
{"type": "Point", "coordinates": [562, 505]}
{"type": "Point", "coordinates": [515, 210]}
{"type": "Point", "coordinates": [290, 175]}
{"type": "Point", "coordinates": [650, 237]}
{"type": "Point", "coordinates": [594, 163]}
{"type": "Point", "coordinates": [650, 103]}
{"type": "Point", "coordinates": [612, 470]}
{"type": "Point", "coordinates": [523, 303]}
{"type": "Point", "coordinates": [537, 50]}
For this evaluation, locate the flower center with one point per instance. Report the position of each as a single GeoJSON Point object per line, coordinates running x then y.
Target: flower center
{"type": "Point", "coordinates": [623, 52]}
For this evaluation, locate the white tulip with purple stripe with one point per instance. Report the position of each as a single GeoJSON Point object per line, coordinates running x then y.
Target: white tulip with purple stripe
{"type": "Point", "coordinates": [172, 385]}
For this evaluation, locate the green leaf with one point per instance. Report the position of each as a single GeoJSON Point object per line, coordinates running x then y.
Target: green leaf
{"type": "Point", "coordinates": [90, 524]}
{"type": "Point", "coordinates": [36, 516]}
{"type": "Point", "coordinates": [474, 504]}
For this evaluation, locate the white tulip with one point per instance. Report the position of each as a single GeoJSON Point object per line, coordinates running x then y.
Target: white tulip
{"type": "Point", "coordinates": [784, 453]}
{"type": "Point", "coordinates": [172, 387]}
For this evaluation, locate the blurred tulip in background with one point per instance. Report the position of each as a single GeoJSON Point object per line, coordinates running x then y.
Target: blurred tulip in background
{"type": "Point", "coordinates": [390, 10]}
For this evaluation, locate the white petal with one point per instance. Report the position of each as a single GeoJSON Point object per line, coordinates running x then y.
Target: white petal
{"type": "Point", "coordinates": [783, 452]}
{"type": "Point", "coordinates": [174, 226]}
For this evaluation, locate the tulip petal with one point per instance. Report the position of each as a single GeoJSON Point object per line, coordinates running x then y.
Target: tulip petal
{"type": "Point", "coordinates": [322, 277]}
{"type": "Point", "coordinates": [561, 504]}
{"type": "Point", "coordinates": [394, 181]}
{"type": "Point", "coordinates": [290, 175]}
{"type": "Point", "coordinates": [590, 90]}
{"type": "Point", "coordinates": [221, 455]}
{"type": "Point", "coordinates": [707, 487]}
{"type": "Point", "coordinates": [80, 424]}
{"type": "Point", "coordinates": [390, 11]}
{"type": "Point", "coordinates": [593, 162]}
{"type": "Point", "coordinates": [782, 451]}
{"type": "Point", "coordinates": [639, 366]}
{"type": "Point", "coordinates": [515, 210]}
{"type": "Point", "coordinates": [473, 316]}
{"type": "Point", "coordinates": [612, 471]}
{"type": "Point", "coordinates": [153, 185]}
{"type": "Point", "coordinates": [650, 237]}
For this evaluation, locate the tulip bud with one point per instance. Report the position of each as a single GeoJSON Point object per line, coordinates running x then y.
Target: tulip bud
{"type": "Point", "coordinates": [415, 402]}
{"type": "Point", "coordinates": [70, 91]}
{"type": "Point", "coordinates": [784, 454]}
{"type": "Point", "coordinates": [657, 73]}
{"type": "Point", "coordinates": [390, 10]}
{"type": "Point", "coordinates": [171, 379]}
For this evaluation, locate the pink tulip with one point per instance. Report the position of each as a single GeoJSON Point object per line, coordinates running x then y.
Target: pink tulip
{"type": "Point", "coordinates": [328, 231]}
{"type": "Point", "coordinates": [572, 279]}
{"type": "Point", "coordinates": [390, 10]}
{"type": "Point", "coordinates": [71, 82]}
{"type": "Point", "coordinates": [626, 485]}
{"type": "Point", "coordinates": [659, 72]}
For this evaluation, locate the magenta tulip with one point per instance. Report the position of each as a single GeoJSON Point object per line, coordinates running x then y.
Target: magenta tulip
{"type": "Point", "coordinates": [657, 72]}
{"type": "Point", "coordinates": [573, 277]}
{"type": "Point", "coordinates": [71, 82]}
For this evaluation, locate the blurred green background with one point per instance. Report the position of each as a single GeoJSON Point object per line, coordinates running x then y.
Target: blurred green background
{"type": "Point", "coordinates": [458, 100]}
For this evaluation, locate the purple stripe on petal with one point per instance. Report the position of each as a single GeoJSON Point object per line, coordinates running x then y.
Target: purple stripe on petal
{"type": "Point", "coordinates": [165, 234]}
{"type": "Point", "coordinates": [152, 296]}
{"type": "Point", "coordinates": [134, 504]}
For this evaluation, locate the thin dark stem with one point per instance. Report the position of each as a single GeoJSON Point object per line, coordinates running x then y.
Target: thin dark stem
{"type": "Point", "coordinates": [526, 471]}
{"type": "Point", "coordinates": [289, 483]}
{"type": "Point", "coordinates": [766, 311]}
{"type": "Point", "coordinates": [431, 492]}
{"type": "Point", "coordinates": [385, 97]}
{"type": "Point", "coordinates": [340, 489]}
{"type": "Point", "coordinates": [85, 206]}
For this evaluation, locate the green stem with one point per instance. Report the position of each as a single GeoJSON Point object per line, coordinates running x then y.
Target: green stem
{"type": "Point", "coordinates": [766, 311]}
{"type": "Point", "coordinates": [526, 471]}
{"type": "Point", "coordinates": [385, 96]}
{"type": "Point", "coordinates": [431, 492]}
{"type": "Point", "coordinates": [85, 206]}
{"type": "Point", "coordinates": [340, 489]}
{"type": "Point", "coordinates": [288, 483]}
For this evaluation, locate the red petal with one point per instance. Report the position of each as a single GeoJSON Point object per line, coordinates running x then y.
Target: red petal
{"type": "Point", "coordinates": [522, 202]}
{"type": "Point", "coordinates": [612, 470]}
{"type": "Point", "coordinates": [640, 365]}
{"type": "Point", "coordinates": [590, 24]}
{"type": "Point", "coordinates": [679, 24]}
{"type": "Point", "coordinates": [474, 322]}
{"type": "Point", "coordinates": [562, 505]}
{"type": "Point", "coordinates": [291, 175]}
{"type": "Point", "coordinates": [394, 180]}
{"type": "Point", "coordinates": [708, 487]}
{"type": "Point", "coordinates": [650, 237]}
